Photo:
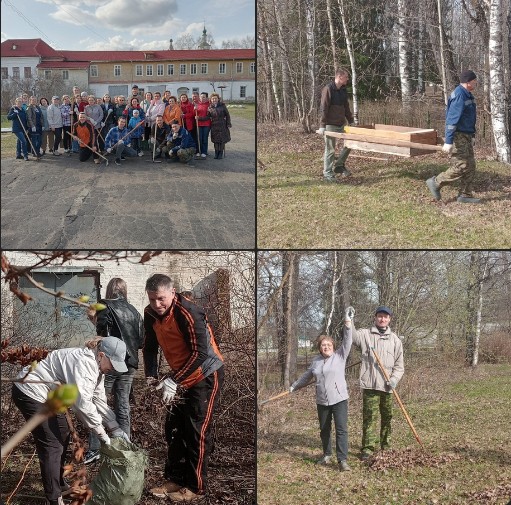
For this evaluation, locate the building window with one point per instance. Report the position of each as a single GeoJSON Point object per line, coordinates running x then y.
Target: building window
{"type": "Point", "coordinates": [193, 68]}
{"type": "Point", "coordinates": [47, 74]}
{"type": "Point", "coordinates": [203, 68]}
{"type": "Point", "coordinates": [28, 72]}
{"type": "Point", "coordinates": [93, 70]}
{"type": "Point", "coordinates": [148, 70]}
{"type": "Point", "coordinates": [182, 69]}
{"type": "Point", "coordinates": [65, 75]}
{"type": "Point", "coordinates": [15, 72]}
{"type": "Point", "coordinates": [243, 91]}
{"type": "Point", "coordinates": [117, 70]}
{"type": "Point", "coordinates": [252, 67]}
{"type": "Point", "coordinates": [159, 69]}
{"type": "Point", "coordinates": [139, 70]}
{"type": "Point", "coordinates": [170, 69]}
{"type": "Point", "coordinates": [221, 68]}
{"type": "Point", "coordinates": [5, 73]}
{"type": "Point", "coordinates": [239, 67]}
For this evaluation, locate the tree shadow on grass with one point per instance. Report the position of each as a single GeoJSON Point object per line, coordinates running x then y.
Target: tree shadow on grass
{"type": "Point", "coordinates": [498, 456]}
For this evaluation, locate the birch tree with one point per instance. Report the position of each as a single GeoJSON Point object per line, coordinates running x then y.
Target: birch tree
{"type": "Point", "coordinates": [497, 86]}
{"type": "Point", "coordinates": [403, 49]}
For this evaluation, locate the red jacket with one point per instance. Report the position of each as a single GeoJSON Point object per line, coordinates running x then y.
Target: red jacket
{"type": "Point", "coordinates": [202, 112]}
{"type": "Point", "coordinates": [188, 113]}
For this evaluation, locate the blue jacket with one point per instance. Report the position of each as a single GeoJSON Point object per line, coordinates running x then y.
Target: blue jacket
{"type": "Point", "coordinates": [461, 114]}
{"type": "Point", "coordinates": [329, 373]}
{"type": "Point", "coordinates": [183, 141]}
{"type": "Point", "coordinates": [137, 134]}
{"type": "Point", "coordinates": [114, 135]}
{"type": "Point", "coordinates": [16, 118]}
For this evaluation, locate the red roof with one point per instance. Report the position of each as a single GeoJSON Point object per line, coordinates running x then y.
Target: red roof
{"type": "Point", "coordinates": [189, 54]}
{"type": "Point", "coordinates": [63, 64]}
{"type": "Point", "coordinates": [27, 48]}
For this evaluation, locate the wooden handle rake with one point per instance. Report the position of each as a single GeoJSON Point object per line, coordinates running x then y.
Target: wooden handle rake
{"type": "Point", "coordinates": [398, 399]}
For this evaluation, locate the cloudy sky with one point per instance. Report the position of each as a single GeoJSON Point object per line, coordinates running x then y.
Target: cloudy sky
{"type": "Point", "coordinates": [125, 24]}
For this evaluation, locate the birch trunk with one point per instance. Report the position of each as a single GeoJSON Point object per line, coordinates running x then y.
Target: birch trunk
{"type": "Point", "coordinates": [403, 49]}
{"type": "Point", "coordinates": [497, 86]}
{"type": "Point", "coordinates": [351, 54]}
{"type": "Point", "coordinates": [332, 32]}
{"type": "Point", "coordinates": [278, 9]}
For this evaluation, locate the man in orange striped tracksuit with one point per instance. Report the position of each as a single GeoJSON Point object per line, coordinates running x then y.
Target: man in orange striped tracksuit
{"type": "Point", "coordinates": [182, 331]}
{"type": "Point", "coordinates": [84, 130]}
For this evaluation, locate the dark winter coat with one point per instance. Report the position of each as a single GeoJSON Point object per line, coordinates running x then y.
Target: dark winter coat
{"type": "Point", "coordinates": [35, 118]}
{"type": "Point", "coordinates": [21, 115]}
{"type": "Point", "coordinates": [220, 123]}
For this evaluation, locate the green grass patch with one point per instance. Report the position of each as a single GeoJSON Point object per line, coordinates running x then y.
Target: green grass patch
{"type": "Point", "coordinates": [384, 204]}
{"type": "Point", "coordinates": [462, 421]}
{"type": "Point", "coordinates": [246, 111]}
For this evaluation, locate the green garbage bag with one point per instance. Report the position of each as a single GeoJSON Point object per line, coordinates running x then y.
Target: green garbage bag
{"type": "Point", "coordinates": [120, 479]}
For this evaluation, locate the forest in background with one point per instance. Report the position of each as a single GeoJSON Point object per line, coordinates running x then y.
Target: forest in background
{"type": "Point", "coordinates": [402, 52]}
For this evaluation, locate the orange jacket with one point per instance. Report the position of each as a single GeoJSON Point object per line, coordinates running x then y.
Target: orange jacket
{"type": "Point", "coordinates": [172, 113]}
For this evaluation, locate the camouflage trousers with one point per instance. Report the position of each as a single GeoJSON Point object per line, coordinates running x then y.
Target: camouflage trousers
{"type": "Point", "coordinates": [185, 155]}
{"type": "Point", "coordinates": [372, 402]}
{"type": "Point", "coordinates": [463, 167]}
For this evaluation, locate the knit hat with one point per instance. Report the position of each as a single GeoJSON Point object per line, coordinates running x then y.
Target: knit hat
{"type": "Point", "coordinates": [467, 76]}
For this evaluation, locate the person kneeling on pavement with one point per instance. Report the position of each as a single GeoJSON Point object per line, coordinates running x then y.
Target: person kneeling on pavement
{"type": "Point", "coordinates": [74, 365]}
{"type": "Point", "coordinates": [119, 138]}
{"type": "Point", "coordinates": [85, 132]}
{"type": "Point", "coordinates": [180, 144]}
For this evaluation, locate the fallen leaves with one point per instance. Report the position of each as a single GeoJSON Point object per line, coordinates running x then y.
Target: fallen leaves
{"type": "Point", "coordinates": [408, 458]}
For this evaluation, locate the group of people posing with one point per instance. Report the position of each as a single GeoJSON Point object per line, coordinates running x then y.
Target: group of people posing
{"type": "Point", "coordinates": [90, 126]}
{"type": "Point", "coordinates": [328, 370]}
{"type": "Point", "coordinates": [173, 325]}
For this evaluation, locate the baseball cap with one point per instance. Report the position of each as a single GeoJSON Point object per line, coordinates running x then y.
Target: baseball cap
{"type": "Point", "coordinates": [55, 97]}
{"type": "Point", "coordinates": [134, 86]}
{"type": "Point", "coordinates": [382, 308]}
{"type": "Point", "coordinates": [83, 93]}
{"type": "Point", "coordinates": [115, 350]}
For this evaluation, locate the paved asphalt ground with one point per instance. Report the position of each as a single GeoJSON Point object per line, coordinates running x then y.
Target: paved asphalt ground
{"type": "Point", "coordinates": [61, 203]}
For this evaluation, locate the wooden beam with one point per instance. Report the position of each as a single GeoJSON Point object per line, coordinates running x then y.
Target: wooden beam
{"type": "Point", "coordinates": [381, 140]}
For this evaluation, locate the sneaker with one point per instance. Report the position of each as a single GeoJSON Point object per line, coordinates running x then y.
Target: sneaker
{"type": "Point", "coordinates": [344, 467]}
{"type": "Point", "coordinates": [197, 155]}
{"type": "Point", "coordinates": [184, 495]}
{"type": "Point", "coordinates": [56, 153]}
{"type": "Point", "coordinates": [26, 158]}
{"type": "Point", "coordinates": [433, 187]}
{"type": "Point", "coordinates": [19, 157]}
{"type": "Point", "coordinates": [325, 460]}
{"type": "Point", "coordinates": [165, 489]}
{"type": "Point", "coordinates": [203, 155]}
{"type": "Point", "coordinates": [468, 199]}
{"type": "Point", "coordinates": [141, 153]}
{"type": "Point", "coordinates": [117, 161]}
{"type": "Point", "coordinates": [97, 162]}
{"type": "Point", "coordinates": [330, 180]}
{"type": "Point", "coordinates": [90, 457]}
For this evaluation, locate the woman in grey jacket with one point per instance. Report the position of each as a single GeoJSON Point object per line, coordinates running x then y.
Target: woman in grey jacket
{"type": "Point", "coordinates": [328, 368]}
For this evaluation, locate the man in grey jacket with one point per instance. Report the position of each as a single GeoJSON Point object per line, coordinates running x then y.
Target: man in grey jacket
{"type": "Point", "coordinates": [376, 391]}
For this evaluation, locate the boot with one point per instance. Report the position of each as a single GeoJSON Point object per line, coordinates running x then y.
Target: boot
{"type": "Point", "coordinates": [216, 154]}
{"type": "Point", "coordinates": [220, 152]}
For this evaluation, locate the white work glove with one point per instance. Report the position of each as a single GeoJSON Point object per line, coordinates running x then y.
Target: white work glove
{"type": "Point", "coordinates": [392, 383]}
{"type": "Point", "coordinates": [151, 141]}
{"type": "Point", "coordinates": [291, 389]}
{"type": "Point", "coordinates": [129, 145]}
{"type": "Point", "coordinates": [321, 131]}
{"type": "Point", "coordinates": [102, 124]}
{"type": "Point", "coordinates": [349, 314]}
{"type": "Point", "coordinates": [118, 433]}
{"type": "Point", "coordinates": [169, 390]}
{"type": "Point", "coordinates": [16, 111]}
{"type": "Point", "coordinates": [447, 148]}
{"type": "Point", "coordinates": [109, 150]}
{"type": "Point", "coordinates": [33, 128]}
{"type": "Point", "coordinates": [103, 436]}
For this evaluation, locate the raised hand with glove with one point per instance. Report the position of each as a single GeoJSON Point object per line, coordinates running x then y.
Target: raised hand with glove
{"type": "Point", "coordinates": [349, 315]}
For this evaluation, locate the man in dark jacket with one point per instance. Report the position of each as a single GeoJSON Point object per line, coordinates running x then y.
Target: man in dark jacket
{"type": "Point", "coordinates": [180, 144]}
{"type": "Point", "coordinates": [181, 329]}
{"type": "Point", "coordinates": [335, 112]}
{"type": "Point", "coordinates": [121, 320]}
{"type": "Point", "coordinates": [460, 128]}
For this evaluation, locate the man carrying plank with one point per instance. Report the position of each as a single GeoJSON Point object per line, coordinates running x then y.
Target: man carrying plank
{"type": "Point", "coordinates": [460, 128]}
{"type": "Point", "coordinates": [335, 112]}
